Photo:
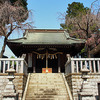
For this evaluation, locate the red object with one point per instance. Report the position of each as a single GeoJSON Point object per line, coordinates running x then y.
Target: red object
{"type": "Point", "coordinates": [49, 70]}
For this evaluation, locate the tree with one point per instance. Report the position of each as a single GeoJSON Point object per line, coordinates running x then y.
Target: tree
{"type": "Point", "coordinates": [22, 3]}
{"type": "Point", "coordinates": [81, 22]}
{"type": "Point", "coordinates": [75, 9]}
{"type": "Point", "coordinates": [11, 18]}
{"type": "Point", "coordinates": [18, 3]}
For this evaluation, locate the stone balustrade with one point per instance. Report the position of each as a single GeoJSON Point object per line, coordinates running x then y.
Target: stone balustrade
{"type": "Point", "coordinates": [74, 65]}
{"type": "Point", "coordinates": [19, 64]}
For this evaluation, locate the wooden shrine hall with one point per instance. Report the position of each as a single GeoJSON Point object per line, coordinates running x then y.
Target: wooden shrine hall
{"type": "Point", "coordinates": [45, 49]}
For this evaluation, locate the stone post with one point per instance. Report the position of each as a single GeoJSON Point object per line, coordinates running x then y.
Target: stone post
{"type": "Point", "coordinates": [9, 92]}
{"type": "Point", "coordinates": [68, 57]}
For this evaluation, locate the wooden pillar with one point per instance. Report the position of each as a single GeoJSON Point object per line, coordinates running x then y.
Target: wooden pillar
{"type": "Point", "coordinates": [46, 59]}
{"type": "Point", "coordinates": [30, 68]}
{"type": "Point", "coordinates": [29, 59]}
{"type": "Point", "coordinates": [59, 68]}
{"type": "Point", "coordinates": [34, 63]}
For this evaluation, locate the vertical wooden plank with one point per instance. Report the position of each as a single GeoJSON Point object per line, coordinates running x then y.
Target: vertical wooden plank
{"type": "Point", "coordinates": [94, 67]}
{"type": "Point", "coordinates": [4, 64]}
{"type": "Point", "coordinates": [77, 69]}
{"type": "Point", "coordinates": [90, 67]}
{"type": "Point", "coordinates": [98, 64]}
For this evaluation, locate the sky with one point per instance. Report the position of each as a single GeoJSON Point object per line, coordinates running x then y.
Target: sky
{"type": "Point", "coordinates": [46, 15]}
{"type": "Point", "coordinates": [46, 12]}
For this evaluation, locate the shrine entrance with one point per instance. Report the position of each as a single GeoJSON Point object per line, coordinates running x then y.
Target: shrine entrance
{"type": "Point", "coordinates": [52, 65]}
{"type": "Point", "coordinates": [47, 62]}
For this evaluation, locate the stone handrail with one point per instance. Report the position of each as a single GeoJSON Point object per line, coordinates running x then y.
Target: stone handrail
{"type": "Point", "coordinates": [24, 95]}
{"type": "Point", "coordinates": [75, 65]}
{"type": "Point", "coordinates": [19, 64]}
{"type": "Point", "coordinates": [67, 87]}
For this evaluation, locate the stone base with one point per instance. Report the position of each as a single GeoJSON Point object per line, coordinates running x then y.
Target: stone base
{"type": "Point", "coordinates": [86, 96]}
{"type": "Point", "coordinates": [9, 96]}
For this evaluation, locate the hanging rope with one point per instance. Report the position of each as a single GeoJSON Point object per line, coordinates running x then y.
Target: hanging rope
{"type": "Point", "coordinates": [51, 56]}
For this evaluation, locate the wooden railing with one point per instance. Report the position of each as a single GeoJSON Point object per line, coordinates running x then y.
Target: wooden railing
{"type": "Point", "coordinates": [19, 64]}
{"type": "Point", "coordinates": [74, 65]}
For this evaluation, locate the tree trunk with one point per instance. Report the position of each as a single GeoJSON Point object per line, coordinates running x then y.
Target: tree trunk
{"type": "Point", "coordinates": [3, 47]}
{"type": "Point", "coordinates": [88, 52]}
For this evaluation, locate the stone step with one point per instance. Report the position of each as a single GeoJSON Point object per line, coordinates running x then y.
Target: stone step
{"type": "Point", "coordinates": [46, 92]}
{"type": "Point", "coordinates": [43, 89]}
{"type": "Point", "coordinates": [46, 78]}
{"type": "Point", "coordinates": [43, 92]}
{"type": "Point", "coordinates": [47, 98]}
{"type": "Point", "coordinates": [46, 82]}
{"type": "Point", "coordinates": [50, 96]}
{"type": "Point", "coordinates": [47, 86]}
{"type": "Point", "coordinates": [54, 84]}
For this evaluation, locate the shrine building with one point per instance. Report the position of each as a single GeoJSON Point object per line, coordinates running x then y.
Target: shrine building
{"type": "Point", "coordinates": [45, 49]}
{"type": "Point", "coordinates": [45, 68]}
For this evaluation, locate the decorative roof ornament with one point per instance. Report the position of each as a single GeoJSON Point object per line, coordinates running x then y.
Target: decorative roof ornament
{"type": "Point", "coordinates": [67, 35]}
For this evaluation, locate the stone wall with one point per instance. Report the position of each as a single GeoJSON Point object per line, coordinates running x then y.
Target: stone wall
{"type": "Point", "coordinates": [19, 82]}
{"type": "Point", "coordinates": [75, 83]}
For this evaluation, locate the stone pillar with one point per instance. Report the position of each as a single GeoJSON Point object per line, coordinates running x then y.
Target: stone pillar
{"type": "Point", "coordinates": [59, 68]}
{"type": "Point", "coordinates": [68, 57]}
{"type": "Point", "coordinates": [9, 92]}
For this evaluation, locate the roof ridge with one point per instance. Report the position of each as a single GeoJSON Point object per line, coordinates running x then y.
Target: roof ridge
{"type": "Point", "coordinates": [68, 37]}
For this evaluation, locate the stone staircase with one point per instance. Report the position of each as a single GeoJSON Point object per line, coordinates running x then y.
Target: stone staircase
{"type": "Point", "coordinates": [46, 86]}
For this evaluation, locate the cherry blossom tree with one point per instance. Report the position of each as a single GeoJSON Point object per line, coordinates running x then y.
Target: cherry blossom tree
{"type": "Point", "coordinates": [84, 23]}
{"type": "Point", "coordinates": [12, 17]}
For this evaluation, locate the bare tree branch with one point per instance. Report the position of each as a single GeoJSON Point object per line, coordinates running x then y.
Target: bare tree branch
{"type": "Point", "coordinates": [12, 18]}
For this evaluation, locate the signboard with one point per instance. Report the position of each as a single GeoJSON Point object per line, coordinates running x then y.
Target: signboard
{"type": "Point", "coordinates": [46, 70]}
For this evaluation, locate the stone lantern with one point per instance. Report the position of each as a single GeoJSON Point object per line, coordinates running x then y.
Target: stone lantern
{"type": "Point", "coordinates": [86, 91]}
{"type": "Point", "coordinates": [85, 72]}
{"type": "Point", "coordinates": [9, 92]}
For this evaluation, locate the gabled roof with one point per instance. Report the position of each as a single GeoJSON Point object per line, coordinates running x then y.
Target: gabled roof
{"type": "Point", "coordinates": [46, 36]}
